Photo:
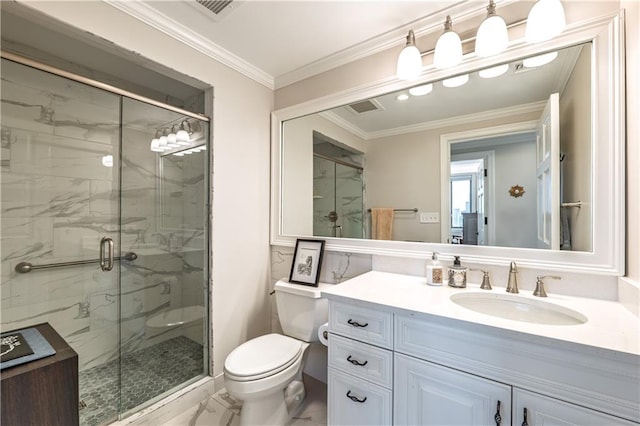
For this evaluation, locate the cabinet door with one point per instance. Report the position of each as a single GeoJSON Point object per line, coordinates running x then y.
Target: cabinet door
{"type": "Point", "coordinates": [430, 394]}
{"type": "Point", "coordinates": [352, 401]}
{"type": "Point", "coordinates": [545, 411]}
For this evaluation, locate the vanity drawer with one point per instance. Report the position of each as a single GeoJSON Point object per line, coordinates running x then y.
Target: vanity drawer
{"type": "Point", "coordinates": [352, 401]}
{"type": "Point", "coordinates": [367, 325]}
{"type": "Point", "coordinates": [360, 359]}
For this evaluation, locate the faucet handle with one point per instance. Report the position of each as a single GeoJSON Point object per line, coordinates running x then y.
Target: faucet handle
{"type": "Point", "coordinates": [539, 291]}
{"type": "Point", "coordinates": [486, 280]}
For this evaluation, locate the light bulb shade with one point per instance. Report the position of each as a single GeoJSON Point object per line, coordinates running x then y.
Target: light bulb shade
{"type": "Point", "coordinates": [448, 50]}
{"type": "Point", "coordinates": [545, 21]}
{"type": "Point", "coordinates": [540, 60]}
{"type": "Point", "coordinates": [494, 71]}
{"type": "Point", "coordinates": [182, 137]}
{"type": "Point", "coordinates": [492, 37]}
{"type": "Point", "coordinates": [162, 143]}
{"type": "Point", "coordinates": [172, 141]}
{"type": "Point", "coordinates": [155, 145]}
{"type": "Point", "coordinates": [456, 81]}
{"type": "Point", "coordinates": [421, 90]}
{"type": "Point", "coordinates": [409, 63]}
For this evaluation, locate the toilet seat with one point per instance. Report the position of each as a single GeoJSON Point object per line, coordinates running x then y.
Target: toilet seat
{"type": "Point", "coordinates": [262, 357]}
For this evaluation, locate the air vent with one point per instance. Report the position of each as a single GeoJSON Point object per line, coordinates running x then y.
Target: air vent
{"type": "Point", "coordinates": [365, 106]}
{"type": "Point", "coordinates": [216, 6]}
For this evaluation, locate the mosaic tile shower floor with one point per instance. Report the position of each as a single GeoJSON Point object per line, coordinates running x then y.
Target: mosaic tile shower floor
{"type": "Point", "coordinates": [145, 374]}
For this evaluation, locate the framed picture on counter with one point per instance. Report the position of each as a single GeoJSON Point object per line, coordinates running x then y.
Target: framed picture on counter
{"type": "Point", "coordinates": [307, 260]}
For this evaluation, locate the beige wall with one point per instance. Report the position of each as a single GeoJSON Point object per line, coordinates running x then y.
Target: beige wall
{"type": "Point", "coordinates": [403, 171]}
{"type": "Point", "coordinates": [297, 183]}
{"type": "Point", "coordinates": [240, 234]}
{"type": "Point", "coordinates": [575, 112]}
{"type": "Point", "coordinates": [381, 67]}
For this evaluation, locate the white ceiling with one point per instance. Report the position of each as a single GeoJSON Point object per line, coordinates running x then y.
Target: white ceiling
{"type": "Point", "coordinates": [279, 42]}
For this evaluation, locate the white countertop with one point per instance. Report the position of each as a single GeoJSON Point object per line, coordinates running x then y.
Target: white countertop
{"type": "Point", "coordinates": [609, 326]}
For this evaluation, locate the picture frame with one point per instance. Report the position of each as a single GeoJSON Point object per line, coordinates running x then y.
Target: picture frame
{"type": "Point", "coordinates": [307, 261]}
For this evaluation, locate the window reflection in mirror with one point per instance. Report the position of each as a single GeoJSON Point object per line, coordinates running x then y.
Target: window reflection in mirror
{"type": "Point", "coordinates": [400, 144]}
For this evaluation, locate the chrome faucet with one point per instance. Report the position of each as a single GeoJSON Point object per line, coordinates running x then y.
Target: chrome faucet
{"type": "Point", "coordinates": [512, 284]}
{"type": "Point", "coordinates": [539, 291]}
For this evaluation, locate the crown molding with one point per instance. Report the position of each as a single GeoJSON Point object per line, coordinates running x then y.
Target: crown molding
{"type": "Point", "coordinates": [345, 124]}
{"type": "Point", "coordinates": [436, 124]}
{"type": "Point", "coordinates": [391, 39]}
{"type": "Point", "coordinates": [180, 32]}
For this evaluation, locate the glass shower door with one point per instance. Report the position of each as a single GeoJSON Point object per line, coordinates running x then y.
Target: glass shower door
{"type": "Point", "coordinates": [337, 199]}
{"type": "Point", "coordinates": [164, 216]}
{"type": "Point", "coordinates": [104, 235]}
{"type": "Point", "coordinates": [59, 200]}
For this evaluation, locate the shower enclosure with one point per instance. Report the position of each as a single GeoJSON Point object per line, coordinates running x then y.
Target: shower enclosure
{"type": "Point", "coordinates": [104, 220]}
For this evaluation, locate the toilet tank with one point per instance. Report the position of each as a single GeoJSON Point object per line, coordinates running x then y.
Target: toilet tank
{"type": "Point", "coordinates": [301, 309]}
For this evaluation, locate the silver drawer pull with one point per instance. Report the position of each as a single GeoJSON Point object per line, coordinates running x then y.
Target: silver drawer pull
{"type": "Point", "coordinates": [356, 362]}
{"type": "Point", "coordinates": [356, 324]}
{"type": "Point", "coordinates": [355, 398]}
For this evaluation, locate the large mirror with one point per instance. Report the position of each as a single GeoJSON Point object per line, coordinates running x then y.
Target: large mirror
{"type": "Point", "coordinates": [503, 156]}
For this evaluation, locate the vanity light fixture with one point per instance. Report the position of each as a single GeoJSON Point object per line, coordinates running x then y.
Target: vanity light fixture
{"type": "Point", "coordinates": [421, 90]}
{"type": "Point", "coordinates": [456, 81]}
{"type": "Point", "coordinates": [409, 64]}
{"type": "Point", "coordinates": [540, 60]}
{"type": "Point", "coordinates": [448, 51]}
{"type": "Point", "coordinates": [492, 37]}
{"type": "Point", "coordinates": [545, 21]}
{"type": "Point", "coordinates": [494, 71]}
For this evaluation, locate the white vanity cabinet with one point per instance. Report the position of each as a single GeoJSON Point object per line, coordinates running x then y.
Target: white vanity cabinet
{"type": "Point", "coordinates": [429, 394]}
{"type": "Point", "coordinates": [396, 366]}
{"type": "Point", "coordinates": [539, 410]}
{"type": "Point", "coordinates": [360, 365]}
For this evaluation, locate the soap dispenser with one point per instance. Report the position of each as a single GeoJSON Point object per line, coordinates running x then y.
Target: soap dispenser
{"type": "Point", "coordinates": [457, 274]}
{"type": "Point", "coordinates": [434, 271]}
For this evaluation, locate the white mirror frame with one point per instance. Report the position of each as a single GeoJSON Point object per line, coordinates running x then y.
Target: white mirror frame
{"type": "Point", "coordinates": [608, 162]}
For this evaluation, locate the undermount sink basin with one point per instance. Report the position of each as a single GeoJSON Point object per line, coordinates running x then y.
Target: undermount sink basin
{"type": "Point", "coordinates": [518, 308]}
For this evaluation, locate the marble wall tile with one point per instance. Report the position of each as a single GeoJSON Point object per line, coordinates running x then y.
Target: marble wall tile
{"type": "Point", "coordinates": [58, 199]}
{"type": "Point", "coordinates": [340, 266]}
{"type": "Point", "coordinates": [37, 153]}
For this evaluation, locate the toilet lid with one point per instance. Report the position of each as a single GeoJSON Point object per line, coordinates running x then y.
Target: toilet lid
{"type": "Point", "coordinates": [262, 355]}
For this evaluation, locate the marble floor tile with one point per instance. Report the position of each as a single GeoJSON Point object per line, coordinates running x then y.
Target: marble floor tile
{"type": "Point", "coordinates": [223, 410]}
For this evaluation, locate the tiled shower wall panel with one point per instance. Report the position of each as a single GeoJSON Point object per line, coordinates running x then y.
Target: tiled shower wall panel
{"type": "Point", "coordinates": [58, 199]}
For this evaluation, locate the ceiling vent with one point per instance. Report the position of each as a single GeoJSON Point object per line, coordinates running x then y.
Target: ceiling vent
{"type": "Point", "coordinates": [365, 106]}
{"type": "Point", "coordinates": [218, 7]}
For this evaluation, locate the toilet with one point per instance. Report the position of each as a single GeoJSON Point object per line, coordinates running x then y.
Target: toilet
{"type": "Point", "coordinates": [266, 372]}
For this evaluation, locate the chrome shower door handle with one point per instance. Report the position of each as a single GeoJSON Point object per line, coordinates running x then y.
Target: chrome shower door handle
{"type": "Point", "coordinates": [106, 264]}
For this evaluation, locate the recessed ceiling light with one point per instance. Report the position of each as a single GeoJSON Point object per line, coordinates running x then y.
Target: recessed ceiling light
{"type": "Point", "coordinates": [494, 71]}
{"type": "Point", "coordinates": [421, 90]}
{"type": "Point", "coordinates": [456, 81]}
{"type": "Point", "coordinates": [402, 97]}
{"type": "Point", "coordinates": [538, 61]}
